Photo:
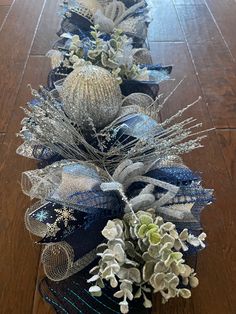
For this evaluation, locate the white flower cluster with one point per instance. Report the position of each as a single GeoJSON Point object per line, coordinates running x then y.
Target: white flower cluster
{"type": "Point", "coordinates": [143, 255]}
{"type": "Point", "coordinates": [116, 55]}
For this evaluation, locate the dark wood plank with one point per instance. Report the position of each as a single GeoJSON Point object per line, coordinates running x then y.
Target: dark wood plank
{"type": "Point", "coordinates": [3, 12]}
{"type": "Point", "coordinates": [49, 25]}
{"type": "Point", "coordinates": [212, 296]}
{"type": "Point", "coordinates": [219, 88]}
{"type": "Point", "coordinates": [19, 255]}
{"type": "Point", "coordinates": [6, 2]}
{"type": "Point", "coordinates": [222, 7]}
{"type": "Point", "coordinates": [16, 38]}
{"type": "Point", "coordinates": [197, 23]}
{"type": "Point", "coordinates": [227, 139]}
{"type": "Point", "coordinates": [160, 29]}
{"type": "Point", "coordinates": [211, 55]}
{"type": "Point", "coordinates": [177, 54]}
{"type": "Point", "coordinates": [1, 137]}
{"type": "Point", "coordinates": [188, 2]}
{"type": "Point", "coordinates": [224, 13]}
{"type": "Point", "coordinates": [213, 62]}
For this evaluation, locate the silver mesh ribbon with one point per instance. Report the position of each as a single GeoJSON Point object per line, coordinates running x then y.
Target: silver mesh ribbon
{"type": "Point", "coordinates": [34, 226]}
{"type": "Point", "coordinates": [134, 26]}
{"type": "Point", "coordinates": [142, 56]}
{"type": "Point", "coordinates": [83, 11]}
{"type": "Point", "coordinates": [26, 149]}
{"type": "Point", "coordinates": [58, 261]}
{"type": "Point", "coordinates": [39, 183]}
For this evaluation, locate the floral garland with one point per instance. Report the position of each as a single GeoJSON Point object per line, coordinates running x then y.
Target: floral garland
{"type": "Point", "coordinates": [114, 197]}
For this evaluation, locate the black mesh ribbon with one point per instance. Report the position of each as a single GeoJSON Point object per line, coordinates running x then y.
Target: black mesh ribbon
{"type": "Point", "coordinates": [72, 297]}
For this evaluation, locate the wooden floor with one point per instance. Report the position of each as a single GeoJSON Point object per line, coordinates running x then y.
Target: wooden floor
{"type": "Point", "coordinates": [199, 38]}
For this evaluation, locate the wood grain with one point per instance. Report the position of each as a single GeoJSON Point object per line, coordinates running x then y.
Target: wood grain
{"type": "Point", "coordinates": [227, 140]}
{"type": "Point", "coordinates": [3, 12]}
{"type": "Point", "coordinates": [48, 27]}
{"type": "Point", "coordinates": [219, 88]}
{"type": "Point", "coordinates": [197, 24]}
{"type": "Point", "coordinates": [213, 63]}
{"type": "Point", "coordinates": [188, 2]}
{"type": "Point", "coordinates": [1, 137]}
{"type": "Point", "coordinates": [198, 38]}
{"type": "Point", "coordinates": [6, 2]}
{"type": "Point", "coordinates": [19, 255]}
{"type": "Point", "coordinates": [16, 38]}
{"type": "Point", "coordinates": [224, 13]}
{"type": "Point", "coordinates": [160, 29]}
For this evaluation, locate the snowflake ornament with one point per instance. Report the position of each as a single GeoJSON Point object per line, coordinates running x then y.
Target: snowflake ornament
{"type": "Point", "coordinates": [65, 215]}
{"type": "Point", "coordinates": [52, 230]}
{"type": "Point", "coordinates": [42, 215]}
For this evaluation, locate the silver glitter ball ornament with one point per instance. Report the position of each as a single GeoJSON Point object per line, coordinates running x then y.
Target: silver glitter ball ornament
{"type": "Point", "coordinates": [91, 94]}
{"type": "Point", "coordinates": [93, 5]}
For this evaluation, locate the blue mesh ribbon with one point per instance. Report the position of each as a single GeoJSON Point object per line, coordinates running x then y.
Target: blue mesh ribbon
{"type": "Point", "coordinates": [78, 212]}
{"type": "Point", "coordinates": [190, 192]}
